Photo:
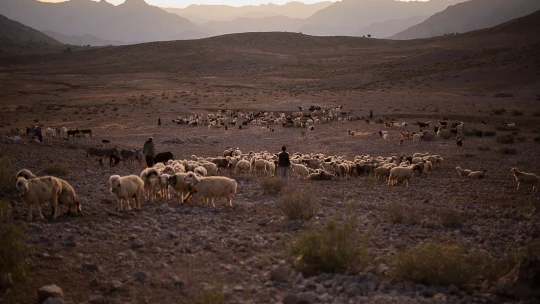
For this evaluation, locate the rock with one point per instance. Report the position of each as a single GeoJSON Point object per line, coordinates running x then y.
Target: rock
{"type": "Point", "coordinates": [97, 300]}
{"type": "Point", "coordinates": [130, 253]}
{"type": "Point", "coordinates": [91, 267]}
{"type": "Point", "coordinates": [70, 241]}
{"type": "Point", "coordinates": [279, 274]}
{"type": "Point", "coordinates": [523, 281]}
{"type": "Point", "coordinates": [238, 288]}
{"type": "Point", "coordinates": [141, 276]}
{"type": "Point", "coordinates": [116, 286]}
{"type": "Point", "coordinates": [307, 297]}
{"type": "Point", "coordinates": [137, 243]}
{"type": "Point", "coordinates": [49, 291]}
{"type": "Point", "coordinates": [54, 301]}
{"type": "Point", "coordinates": [290, 299]}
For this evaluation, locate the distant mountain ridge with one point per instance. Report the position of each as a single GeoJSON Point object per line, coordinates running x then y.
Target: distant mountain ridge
{"type": "Point", "coordinates": [202, 13]}
{"type": "Point", "coordinates": [133, 20]}
{"type": "Point", "coordinates": [83, 39]}
{"type": "Point", "coordinates": [18, 38]}
{"type": "Point", "coordinates": [470, 16]}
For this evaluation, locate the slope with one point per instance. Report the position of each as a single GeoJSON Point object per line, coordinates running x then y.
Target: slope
{"type": "Point", "coordinates": [470, 16]}
{"type": "Point", "coordinates": [17, 38]}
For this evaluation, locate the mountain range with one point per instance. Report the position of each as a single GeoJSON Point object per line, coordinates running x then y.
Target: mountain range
{"type": "Point", "coordinates": [17, 38]}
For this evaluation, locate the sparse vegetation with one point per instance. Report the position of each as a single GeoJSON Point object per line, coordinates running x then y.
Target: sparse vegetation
{"type": "Point", "coordinates": [506, 139]}
{"type": "Point", "coordinates": [437, 263]}
{"type": "Point", "coordinates": [508, 151]}
{"type": "Point", "coordinates": [473, 132]}
{"type": "Point", "coordinates": [507, 128]}
{"type": "Point", "coordinates": [517, 113]}
{"type": "Point", "coordinates": [13, 254]}
{"type": "Point", "coordinates": [484, 148]}
{"type": "Point", "coordinates": [452, 218]}
{"type": "Point", "coordinates": [500, 111]}
{"type": "Point", "coordinates": [56, 170]}
{"type": "Point", "coordinates": [297, 204]}
{"type": "Point", "coordinates": [336, 248]}
{"type": "Point", "coordinates": [273, 185]}
{"type": "Point", "coordinates": [7, 178]}
{"type": "Point", "coordinates": [489, 133]}
{"type": "Point", "coordinates": [521, 138]}
{"type": "Point", "coordinates": [212, 295]}
{"type": "Point", "coordinates": [400, 213]}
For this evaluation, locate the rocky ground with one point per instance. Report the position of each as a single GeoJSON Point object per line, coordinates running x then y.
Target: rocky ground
{"type": "Point", "coordinates": [173, 253]}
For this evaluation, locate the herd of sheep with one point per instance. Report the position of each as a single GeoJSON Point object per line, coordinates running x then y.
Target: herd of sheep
{"type": "Point", "coordinates": [201, 175]}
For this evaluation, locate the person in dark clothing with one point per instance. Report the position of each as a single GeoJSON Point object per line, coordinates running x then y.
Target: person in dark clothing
{"type": "Point", "coordinates": [38, 133]}
{"type": "Point", "coordinates": [159, 121]}
{"type": "Point", "coordinates": [149, 151]}
{"type": "Point", "coordinates": [371, 114]}
{"type": "Point", "coordinates": [284, 163]}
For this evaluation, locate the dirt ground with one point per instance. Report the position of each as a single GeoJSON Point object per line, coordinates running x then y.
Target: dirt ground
{"type": "Point", "coordinates": [169, 253]}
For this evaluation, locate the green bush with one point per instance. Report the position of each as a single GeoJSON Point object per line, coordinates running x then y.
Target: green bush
{"type": "Point", "coordinates": [56, 170]}
{"type": "Point", "coordinates": [437, 263]}
{"type": "Point", "coordinates": [7, 178]}
{"type": "Point", "coordinates": [272, 185]}
{"type": "Point", "coordinates": [506, 139]}
{"type": "Point", "coordinates": [336, 248]}
{"type": "Point", "coordinates": [297, 205]}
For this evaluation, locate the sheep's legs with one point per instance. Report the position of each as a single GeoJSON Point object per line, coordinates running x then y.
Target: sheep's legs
{"type": "Point", "coordinates": [119, 208]}
{"type": "Point", "coordinates": [29, 218]}
{"type": "Point", "coordinates": [519, 185]}
{"type": "Point", "coordinates": [39, 212]}
{"type": "Point", "coordinates": [212, 201]}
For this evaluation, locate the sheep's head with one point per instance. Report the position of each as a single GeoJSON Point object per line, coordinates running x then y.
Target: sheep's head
{"type": "Point", "coordinates": [116, 183]}
{"type": "Point", "coordinates": [191, 178]}
{"type": "Point", "coordinates": [22, 186]}
{"type": "Point", "coordinates": [27, 174]}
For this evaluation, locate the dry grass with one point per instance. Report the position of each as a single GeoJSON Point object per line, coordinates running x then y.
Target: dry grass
{"type": "Point", "coordinates": [336, 248]}
{"type": "Point", "coordinates": [212, 295]}
{"type": "Point", "coordinates": [437, 263]}
{"type": "Point", "coordinates": [401, 213]}
{"type": "Point", "coordinates": [7, 178]}
{"type": "Point", "coordinates": [13, 259]}
{"type": "Point", "coordinates": [56, 170]}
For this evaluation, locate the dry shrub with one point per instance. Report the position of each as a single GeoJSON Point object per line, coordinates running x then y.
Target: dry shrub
{"type": "Point", "coordinates": [508, 151]}
{"type": "Point", "coordinates": [7, 178]}
{"type": "Point", "coordinates": [452, 218]}
{"type": "Point", "coordinates": [297, 205]}
{"type": "Point", "coordinates": [336, 248]}
{"type": "Point", "coordinates": [13, 254]}
{"type": "Point", "coordinates": [489, 133]}
{"type": "Point", "coordinates": [5, 211]}
{"type": "Point", "coordinates": [272, 185]}
{"type": "Point", "coordinates": [401, 213]}
{"type": "Point", "coordinates": [437, 263]}
{"type": "Point", "coordinates": [506, 139]}
{"type": "Point", "coordinates": [212, 295]}
{"type": "Point", "coordinates": [56, 170]}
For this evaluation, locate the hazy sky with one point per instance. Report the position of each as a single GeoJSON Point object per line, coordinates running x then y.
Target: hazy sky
{"type": "Point", "coordinates": [184, 3]}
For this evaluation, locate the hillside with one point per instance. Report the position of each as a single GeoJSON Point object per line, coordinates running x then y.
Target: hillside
{"type": "Point", "coordinates": [17, 38]}
{"type": "Point", "coordinates": [389, 28]}
{"type": "Point", "coordinates": [83, 39]}
{"type": "Point", "coordinates": [133, 20]}
{"type": "Point", "coordinates": [202, 13]}
{"type": "Point", "coordinates": [347, 17]}
{"type": "Point", "coordinates": [470, 16]}
{"type": "Point", "coordinates": [267, 24]}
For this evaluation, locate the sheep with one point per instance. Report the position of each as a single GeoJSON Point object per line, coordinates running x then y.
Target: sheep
{"type": "Point", "coordinates": [125, 188]}
{"type": "Point", "coordinates": [67, 197]}
{"type": "Point", "coordinates": [477, 174]}
{"type": "Point", "coordinates": [164, 185]}
{"type": "Point", "coordinates": [37, 190]}
{"type": "Point", "coordinates": [417, 137]}
{"type": "Point", "coordinates": [526, 178]}
{"type": "Point", "coordinates": [400, 173]}
{"type": "Point", "coordinates": [159, 166]}
{"type": "Point", "coordinates": [150, 178]}
{"type": "Point", "coordinates": [463, 172]}
{"type": "Point", "coordinates": [318, 176]}
{"type": "Point", "coordinates": [439, 132]}
{"type": "Point", "coordinates": [243, 166]}
{"type": "Point", "coordinates": [179, 186]}
{"type": "Point", "coordinates": [201, 171]}
{"type": "Point", "coordinates": [300, 170]}
{"type": "Point", "coordinates": [259, 166]}
{"type": "Point", "coordinates": [271, 168]}
{"type": "Point", "coordinates": [351, 133]}
{"type": "Point", "coordinates": [428, 167]}
{"type": "Point", "coordinates": [211, 168]}
{"type": "Point", "coordinates": [384, 135]}
{"type": "Point", "coordinates": [342, 170]}
{"type": "Point", "coordinates": [381, 171]}
{"type": "Point", "coordinates": [168, 170]}
{"type": "Point", "coordinates": [212, 187]}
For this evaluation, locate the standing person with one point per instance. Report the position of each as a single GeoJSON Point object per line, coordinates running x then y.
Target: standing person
{"type": "Point", "coordinates": [149, 151]}
{"type": "Point", "coordinates": [159, 121]}
{"type": "Point", "coordinates": [371, 114]}
{"type": "Point", "coordinates": [284, 163]}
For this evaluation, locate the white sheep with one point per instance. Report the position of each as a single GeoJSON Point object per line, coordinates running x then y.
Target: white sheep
{"type": "Point", "coordinates": [300, 170]}
{"type": "Point", "coordinates": [168, 170]}
{"type": "Point", "coordinates": [37, 190]}
{"type": "Point", "coordinates": [201, 171]}
{"type": "Point", "coordinates": [477, 174]}
{"type": "Point", "coordinates": [159, 166]}
{"type": "Point", "coordinates": [400, 173]}
{"type": "Point", "coordinates": [164, 185]}
{"type": "Point", "coordinates": [417, 136]}
{"type": "Point", "coordinates": [428, 167]}
{"type": "Point", "coordinates": [463, 172]}
{"type": "Point", "coordinates": [270, 168]}
{"type": "Point", "coordinates": [212, 187]}
{"type": "Point", "coordinates": [526, 178]}
{"type": "Point", "coordinates": [150, 177]}
{"type": "Point", "coordinates": [211, 168]}
{"type": "Point", "coordinates": [125, 188]}
{"type": "Point", "coordinates": [243, 166]}
{"type": "Point", "coordinates": [381, 171]}
{"type": "Point", "coordinates": [179, 185]}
